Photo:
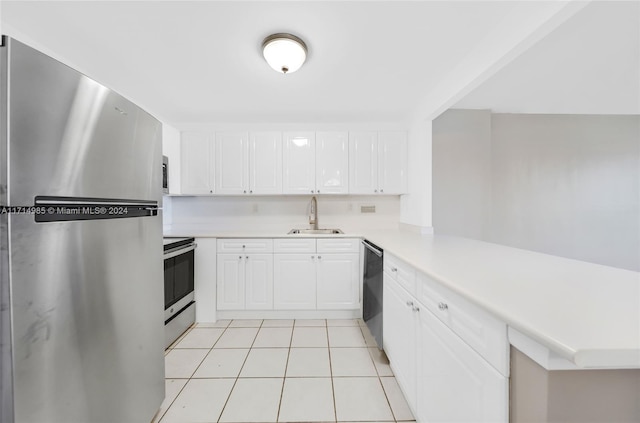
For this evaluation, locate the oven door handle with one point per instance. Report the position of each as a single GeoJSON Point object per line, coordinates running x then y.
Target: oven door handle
{"type": "Point", "coordinates": [373, 249]}
{"type": "Point", "coordinates": [179, 250]}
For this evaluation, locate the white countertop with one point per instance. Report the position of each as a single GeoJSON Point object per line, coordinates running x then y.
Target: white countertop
{"type": "Point", "coordinates": [584, 312]}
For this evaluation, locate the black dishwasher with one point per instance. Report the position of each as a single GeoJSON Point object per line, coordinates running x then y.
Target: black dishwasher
{"type": "Point", "coordinates": [372, 289]}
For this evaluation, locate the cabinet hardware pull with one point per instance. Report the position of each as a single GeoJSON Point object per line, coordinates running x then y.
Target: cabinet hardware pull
{"type": "Point", "coordinates": [443, 306]}
{"type": "Point", "coordinates": [319, 257]}
{"type": "Point", "coordinates": [247, 257]}
{"type": "Point", "coordinates": [416, 309]}
{"type": "Point", "coordinates": [313, 257]}
{"type": "Point", "coordinates": [250, 191]}
{"type": "Point", "coordinates": [410, 303]}
{"type": "Point", "coordinates": [381, 190]}
{"type": "Point", "coordinates": [243, 246]}
{"type": "Point", "coordinates": [375, 190]}
{"type": "Point", "coordinates": [394, 269]}
{"type": "Point", "coordinates": [240, 257]}
{"type": "Point", "coordinates": [245, 191]}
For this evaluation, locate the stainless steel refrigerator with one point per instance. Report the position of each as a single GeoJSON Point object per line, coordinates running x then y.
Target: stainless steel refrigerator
{"type": "Point", "coordinates": [81, 311]}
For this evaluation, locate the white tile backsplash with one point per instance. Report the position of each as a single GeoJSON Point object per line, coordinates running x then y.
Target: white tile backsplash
{"type": "Point", "coordinates": [280, 213]}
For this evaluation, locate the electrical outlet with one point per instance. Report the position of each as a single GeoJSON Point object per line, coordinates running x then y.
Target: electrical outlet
{"type": "Point", "coordinates": [367, 209]}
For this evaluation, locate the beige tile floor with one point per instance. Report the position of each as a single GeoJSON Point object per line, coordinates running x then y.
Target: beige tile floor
{"type": "Point", "coordinates": [280, 371]}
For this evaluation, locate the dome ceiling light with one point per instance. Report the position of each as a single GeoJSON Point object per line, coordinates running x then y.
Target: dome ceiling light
{"type": "Point", "coordinates": [285, 53]}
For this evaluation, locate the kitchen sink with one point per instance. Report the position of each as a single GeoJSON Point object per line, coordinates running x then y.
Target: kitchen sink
{"type": "Point", "coordinates": [315, 231]}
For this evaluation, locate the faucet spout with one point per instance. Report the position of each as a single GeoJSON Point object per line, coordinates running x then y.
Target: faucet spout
{"type": "Point", "coordinates": [313, 213]}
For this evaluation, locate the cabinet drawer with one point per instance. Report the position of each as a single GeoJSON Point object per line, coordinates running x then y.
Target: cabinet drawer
{"type": "Point", "coordinates": [294, 245]}
{"type": "Point", "coordinates": [338, 245]}
{"type": "Point", "coordinates": [479, 329]}
{"type": "Point", "coordinates": [401, 272]}
{"type": "Point", "coordinates": [245, 245]}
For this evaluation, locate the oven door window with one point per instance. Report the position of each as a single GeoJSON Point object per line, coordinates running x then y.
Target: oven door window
{"type": "Point", "coordinates": [178, 278]}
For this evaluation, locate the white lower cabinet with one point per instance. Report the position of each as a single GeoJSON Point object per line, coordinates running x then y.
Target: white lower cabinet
{"type": "Point", "coordinates": [455, 384]}
{"type": "Point", "coordinates": [230, 277]}
{"type": "Point", "coordinates": [443, 378]}
{"type": "Point", "coordinates": [245, 281]}
{"type": "Point", "coordinates": [399, 335]}
{"type": "Point", "coordinates": [337, 277]}
{"type": "Point", "coordinates": [258, 281]}
{"type": "Point", "coordinates": [294, 277]}
{"type": "Point", "coordinates": [325, 277]}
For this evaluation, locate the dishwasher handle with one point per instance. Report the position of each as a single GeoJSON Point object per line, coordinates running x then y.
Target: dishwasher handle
{"type": "Point", "coordinates": [374, 249]}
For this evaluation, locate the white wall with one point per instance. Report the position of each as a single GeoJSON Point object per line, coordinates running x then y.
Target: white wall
{"type": "Point", "coordinates": [416, 205]}
{"type": "Point", "coordinates": [567, 185]}
{"type": "Point", "coordinates": [462, 169]}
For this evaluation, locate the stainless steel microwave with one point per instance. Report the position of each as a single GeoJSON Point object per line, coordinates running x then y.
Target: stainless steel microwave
{"type": "Point", "coordinates": [165, 175]}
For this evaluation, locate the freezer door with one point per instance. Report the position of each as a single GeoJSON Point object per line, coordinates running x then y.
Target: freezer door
{"type": "Point", "coordinates": [71, 136]}
{"type": "Point", "coordinates": [88, 320]}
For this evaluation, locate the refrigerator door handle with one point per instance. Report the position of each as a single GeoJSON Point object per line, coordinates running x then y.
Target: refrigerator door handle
{"type": "Point", "coordinates": [67, 209]}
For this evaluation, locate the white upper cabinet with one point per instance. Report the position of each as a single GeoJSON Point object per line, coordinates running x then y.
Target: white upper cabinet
{"type": "Point", "coordinates": [197, 163]}
{"type": "Point", "coordinates": [232, 166]}
{"type": "Point", "coordinates": [332, 163]}
{"type": "Point", "coordinates": [363, 162]}
{"type": "Point", "coordinates": [265, 162]}
{"type": "Point", "coordinates": [392, 162]}
{"type": "Point", "coordinates": [299, 170]}
{"type": "Point", "coordinates": [377, 162]}
{"type": "Point", "coordinates": [248, 163]}
{"type": "Point", "coordinates": [294, 162]}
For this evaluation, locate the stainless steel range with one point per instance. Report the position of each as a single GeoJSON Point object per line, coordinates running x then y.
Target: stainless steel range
{"type": "Point", "coordinates": [179, 304]}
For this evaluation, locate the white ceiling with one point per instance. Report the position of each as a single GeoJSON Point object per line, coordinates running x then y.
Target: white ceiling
{"type": "Point", "coordinates": [200, 61]}
{"type": "Point", "coordinates": [589, 65]}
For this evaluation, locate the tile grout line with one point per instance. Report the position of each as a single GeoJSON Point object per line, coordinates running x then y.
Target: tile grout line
{"type": "Point", "coordinates": [333, 390]}
{"type": "Point", "coordinates": [235, 382]}
{"type": "Point", "coordinates": [393, 414]}
{"type": "Point", "coordinates": [286, 366]}
{"type": "Point", "coordinates": [190, 377]}
{"type": "Point", "coordinates": [379, 378]}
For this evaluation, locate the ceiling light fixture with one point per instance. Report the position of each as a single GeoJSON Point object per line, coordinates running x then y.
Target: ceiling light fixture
{"type": "Point", "coordinates": [284, 52]}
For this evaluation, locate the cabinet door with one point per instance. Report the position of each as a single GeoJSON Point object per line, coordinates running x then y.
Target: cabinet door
{"type": "Point", "coordinates": [332, 163]}
{"type": "Point", "coordinates": [363, 162]}
{"type": "Point", "coordinates": [196, 164]}
{"type": "Point", "coordinates": [299, 163]}
{"type": "Point", "coordinates": [230, 282]}
{"type": "Point", "coordinates": [337, 281]}
{"type": "Point", "coordinates": [265, 163]}
{"type": "Point", "coordinates": [294, 281]}
{"type": "Point", "coordinates": [392, 162]}
{"type": "Point", "coordinates": [399, 336]}
{"type": "Point", "coordinates": [455, 384]}
{"type": "Point", "coordinates": [258, 282]}
{"type": "Point", "coordinates": [232, 163]}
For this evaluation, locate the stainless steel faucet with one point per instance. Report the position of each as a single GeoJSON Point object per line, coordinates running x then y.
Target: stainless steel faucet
{"type": "Point", "coordinates": [313, 213]}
